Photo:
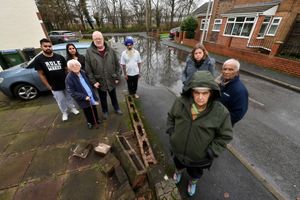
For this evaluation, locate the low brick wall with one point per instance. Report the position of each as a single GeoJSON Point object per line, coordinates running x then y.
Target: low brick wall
{"type": "Point", "coordinates": [281, 64]}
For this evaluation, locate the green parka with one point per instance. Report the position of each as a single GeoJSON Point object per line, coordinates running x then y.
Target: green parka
{"type": "Point", "coordinates": [191, 139]}
{"type": "Point", "coordinates": [104, 70]}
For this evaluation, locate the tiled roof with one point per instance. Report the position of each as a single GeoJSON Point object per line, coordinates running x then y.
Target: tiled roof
{"type": "Point", "coordinates": [201, 10]}
{"type": "Point", "coordinates": [250, 9]}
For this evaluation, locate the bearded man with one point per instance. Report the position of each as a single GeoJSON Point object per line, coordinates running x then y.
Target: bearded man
{"type": "Point", "coordinates": [52, 70]}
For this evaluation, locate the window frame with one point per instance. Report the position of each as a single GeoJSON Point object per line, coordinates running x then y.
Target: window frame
{"type": "Point", "coordinates": [266, 29]}
{"type": "Point", "coordinates": [203, 23]}
{"type": "Point", "coordinates": [274, 24]}
{"type": "Point", "coordinates": [217, 23]}
{"type": "Point", "coordinates": [238, 25]}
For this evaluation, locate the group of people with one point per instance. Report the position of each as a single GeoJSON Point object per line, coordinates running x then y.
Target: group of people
{"type": "Point", "coordinates": [200, 121]}
{"type": "Point", "coordinates": [77, 77]}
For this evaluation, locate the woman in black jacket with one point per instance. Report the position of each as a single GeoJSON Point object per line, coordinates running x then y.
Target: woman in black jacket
{"type": "Point", "coordinates": [72, 53]}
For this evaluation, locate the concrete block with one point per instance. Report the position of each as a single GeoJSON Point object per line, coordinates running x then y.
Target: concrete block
{"type": "Point", "coordinates": [108, 163]}
{"type": "Point", "coordinates": [155, 174]}
{"type": "Point", "coordinates": [121, 175]}
{"type": "Point", "coordinates": [124, 192]}
{"type": "Point", "coordinates": [130, 161]}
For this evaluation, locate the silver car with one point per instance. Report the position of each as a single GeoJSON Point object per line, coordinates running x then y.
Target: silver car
{"type": "Point", "coordinates": [57, 37]}
{"type": "Point", "coordinates": [23, 81]}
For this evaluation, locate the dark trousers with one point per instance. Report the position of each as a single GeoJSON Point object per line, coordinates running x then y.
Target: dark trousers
{"type": "Point", "coordinates": [132, 83]}
{"type": "Point", "coordinates": [113, 98]}
{"type": "Point", "coordinates": [89, 116]}
{"type": "Point", "coordinates": [194, 172]}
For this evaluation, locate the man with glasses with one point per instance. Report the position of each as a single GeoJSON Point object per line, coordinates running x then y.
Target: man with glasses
{"type": "Point", "coordinates": [52, 70]}
{"type": "Point", "coordinates": [103, 70]}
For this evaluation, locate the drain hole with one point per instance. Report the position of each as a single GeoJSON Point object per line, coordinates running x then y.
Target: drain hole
{"type": "Point", "coordinates": [124, 143]}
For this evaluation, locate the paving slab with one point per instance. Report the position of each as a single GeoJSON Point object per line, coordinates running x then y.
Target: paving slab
{"type": "Point", "coordinates": [13, 120]}
{"type": "Point", "coordinates": [112, 124]}
{"type": "Point", "coordinates": [12, 169]}
{"type": "Point", "coordinates": [7, 194]}
{"type": "Point", "coordinates": [26, 141]}
{"type": "Point", "coordinates": [72, 118]}
{"type": "Point", "coordinates": [88, 184]}
{"type": "Point", "coordinates": [60, 135]}
{"type": "Point", "coordinates": [42, 118]}
{"type": "Point", "coordinates": [48, 162]}
{"type": "Point", "coordinates": [84, 133]}
{"type": "Point", "coordinates": [76, 163]}
{"type": "Point", "coordinates": [48, 189]}
{"type": "Point", "coordinates": [4, 142]}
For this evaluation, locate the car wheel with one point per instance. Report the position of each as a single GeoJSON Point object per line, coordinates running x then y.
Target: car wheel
{"type": "Point", "coordinates": [26, 92]}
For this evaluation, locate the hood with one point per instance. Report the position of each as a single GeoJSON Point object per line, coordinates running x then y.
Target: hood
{"type": "Point", "coordinates": [201, 79]}
{"type": "Point", "coordinates": [14, 69]}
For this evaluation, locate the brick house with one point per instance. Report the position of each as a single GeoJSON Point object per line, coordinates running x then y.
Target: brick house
{"type": "Point", "coordinates": [252, 30]}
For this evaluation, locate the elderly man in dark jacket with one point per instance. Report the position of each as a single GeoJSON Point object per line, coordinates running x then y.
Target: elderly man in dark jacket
{"type": "Point", "coordinates": [103, 70]}
{"type": "Point", "coordinates": [199, 127]}
{"type": "Point", "coordinates": [234, 95]}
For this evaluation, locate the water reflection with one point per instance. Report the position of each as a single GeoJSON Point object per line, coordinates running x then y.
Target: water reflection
{"type": "Point", "coordinates": [161, 65]}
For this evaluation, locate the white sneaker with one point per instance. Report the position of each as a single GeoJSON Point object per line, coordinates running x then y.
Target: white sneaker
{"type": "Point", "coordinates": [75, 111]}
{"type": "Point", "coordinates": [65, 116]}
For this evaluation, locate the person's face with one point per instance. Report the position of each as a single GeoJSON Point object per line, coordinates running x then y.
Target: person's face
{"type": "Point", "coordinates": [72, 50]}
{"type": "Point", "coordinates": [229, 71]}
{"type": "Point", "coordinates": [47, 48]}
{"type": "Point", "coordinates": [98, 40]}
{"type": "Point", "coordinates": [75, 68]}
{"type": "Point", "coordinates": [129, 47]}
{"type": "Point", "coordinates": [198, 54]}
{"type": "Point", "coordinates": [201, 97]}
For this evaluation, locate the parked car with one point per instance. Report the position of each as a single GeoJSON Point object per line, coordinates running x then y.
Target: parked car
{"type": "Point", "coordinates": [57, 37]}
{"type": "Point", "coordinates": [173, 32]}
{"type": "Point", "coordinates": [23, 81]}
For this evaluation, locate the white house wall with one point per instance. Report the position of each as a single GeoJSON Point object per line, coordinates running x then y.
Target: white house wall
{"type": "Point", "coordinates": [20, 26]}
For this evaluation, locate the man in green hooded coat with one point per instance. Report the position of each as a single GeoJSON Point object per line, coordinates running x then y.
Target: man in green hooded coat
{"type": "Point", "coordinates": [199, 127]}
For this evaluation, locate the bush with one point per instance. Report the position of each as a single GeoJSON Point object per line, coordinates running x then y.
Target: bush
{"type": "Point", "coordinates": [189, 25]}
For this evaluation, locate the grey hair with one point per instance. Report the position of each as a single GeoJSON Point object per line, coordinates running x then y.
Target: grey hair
{"type": "Point", "coordinates": [235, 62]}
{"type": "Point", "coordinates": [72, 62]}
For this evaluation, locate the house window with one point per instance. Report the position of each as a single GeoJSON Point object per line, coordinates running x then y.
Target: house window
{"type": "Point", "coordinates": [264, 26]}
{"type": "Point", "coordinates": [274, 26]}
{"type": "Point", "coordinates": [203, 22]}
{"type": "Point", "coordinates": [217, 25]}
{"type": "Point", "coordinates": [239, 26]}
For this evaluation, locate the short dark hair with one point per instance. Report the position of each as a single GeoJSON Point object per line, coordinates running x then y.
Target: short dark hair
{"type": "Point", "coordinates": [44, 40]}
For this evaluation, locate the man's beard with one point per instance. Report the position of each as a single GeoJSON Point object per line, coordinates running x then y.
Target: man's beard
{"type": "Point", "coordinates": [48, 51]}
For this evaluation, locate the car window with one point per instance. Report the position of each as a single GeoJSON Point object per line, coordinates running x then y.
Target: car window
{"type": "Point", "coordinates": [53, 33]}
{"type": "Point", "coordinates": [61, 52]}
{"type": "Point", "coordinates": [82, 51]}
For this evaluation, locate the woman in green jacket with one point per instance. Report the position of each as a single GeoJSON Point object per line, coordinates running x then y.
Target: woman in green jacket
{"type": "Point", "coordinates": [199, 127]}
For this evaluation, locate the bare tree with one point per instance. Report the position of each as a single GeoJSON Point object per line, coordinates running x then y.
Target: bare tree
{"type": "Point", "coordinates": [157, 12]}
